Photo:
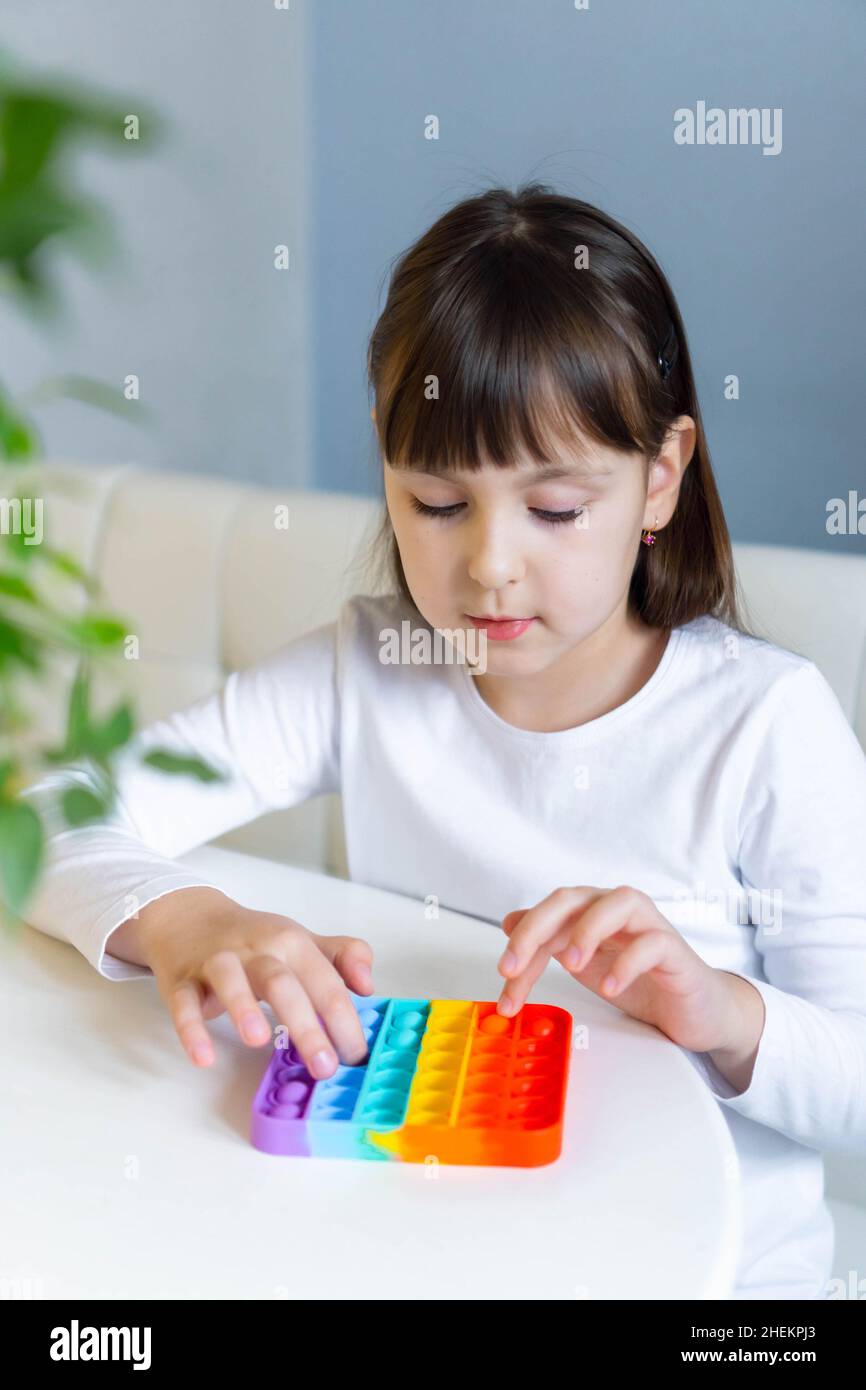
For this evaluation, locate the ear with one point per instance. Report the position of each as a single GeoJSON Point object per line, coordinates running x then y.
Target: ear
{"type": "Point", "coordinates": [373, 413]}
{"type": "Point", "coordinates": [685, 433]}
{"type": "Point", "coordinates": [666, 471]}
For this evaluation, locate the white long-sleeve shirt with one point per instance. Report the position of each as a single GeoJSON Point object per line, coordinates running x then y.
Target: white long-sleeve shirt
{"type": "Point", "coordinates": [730, 789]}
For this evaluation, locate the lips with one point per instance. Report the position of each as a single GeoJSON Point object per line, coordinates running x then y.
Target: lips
{"type": "Point", "coordinates": [501, 629]}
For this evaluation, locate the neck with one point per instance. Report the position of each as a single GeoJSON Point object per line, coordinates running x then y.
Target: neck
{"type": "Point", "coordinates": [598, 675]}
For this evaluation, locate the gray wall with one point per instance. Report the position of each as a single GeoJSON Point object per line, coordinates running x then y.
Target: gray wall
{"type": "Point", "coordinates": [306, 127]}
{"type": "Point", "coordinates": [763, 252]}
{"type": "Point", "coordinates": [219, 338]}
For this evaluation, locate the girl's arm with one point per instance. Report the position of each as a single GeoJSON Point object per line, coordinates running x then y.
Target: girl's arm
{"type": "Point", "coordinates": [803, 824]}
{"type": "Point", "coordinates": [273, 729]}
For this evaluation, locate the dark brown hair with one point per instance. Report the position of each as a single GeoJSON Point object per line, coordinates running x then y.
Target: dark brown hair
{"type": "Point", "coordinates": [490, 302]}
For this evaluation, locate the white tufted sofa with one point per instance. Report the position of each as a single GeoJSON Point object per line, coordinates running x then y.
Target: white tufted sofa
{"type": "Point", "coordinates": [210, 585]}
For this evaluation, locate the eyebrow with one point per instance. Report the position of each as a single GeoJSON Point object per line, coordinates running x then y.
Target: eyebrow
{"type": "Point", "coordinates": [542, 471]}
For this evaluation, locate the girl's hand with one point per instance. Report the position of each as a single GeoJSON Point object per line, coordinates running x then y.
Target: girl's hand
{"type": "Point", "coordinates": [209, 954]}
{"type": "Point", "coordinates": [616, 942]}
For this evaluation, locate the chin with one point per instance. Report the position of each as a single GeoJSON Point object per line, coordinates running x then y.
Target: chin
{"type": "Point", "coordinates": [504, 663]}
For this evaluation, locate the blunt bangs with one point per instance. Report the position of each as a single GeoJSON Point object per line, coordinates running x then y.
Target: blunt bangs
{"type": "Point", "coordinates": [514, 360]}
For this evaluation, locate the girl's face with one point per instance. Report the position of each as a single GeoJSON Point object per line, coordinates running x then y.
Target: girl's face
{"type": "Point", "coordinates": [554, 543]}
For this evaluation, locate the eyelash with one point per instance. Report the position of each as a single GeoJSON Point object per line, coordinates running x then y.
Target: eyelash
{"type": "Point", "coordinates": [548, 518]}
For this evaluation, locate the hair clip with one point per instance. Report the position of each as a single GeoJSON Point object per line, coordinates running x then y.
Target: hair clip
{"type": "Point", "coordinates": [668, 353]}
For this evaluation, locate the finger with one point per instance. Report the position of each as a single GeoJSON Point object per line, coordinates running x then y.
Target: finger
{"type": "Point", "coordinates": [333, 1003]}
{"type": "Point", "coordinates": [515, 992]}
{"type": "Point", "coordinates": [352, 957]}
{"type": "Point", "coordinates": [211, 1007]}
{"type": "Point", "coordinates": [228, 980]}
{"type": "Point", "coordinates": [619, 909]}
{"type": "Point", "coordinates": [542, 922]}
{"type": "Point", "coordinates": [517, 988]}
{"type": "Point", "coordinates": [511, 919]}
{"type": "Point", "coordinates": [184, 1006]}
{"type": "Point", "coordinates": [278, 983]}
{"type": "Point", "coordinates": [644, 953]}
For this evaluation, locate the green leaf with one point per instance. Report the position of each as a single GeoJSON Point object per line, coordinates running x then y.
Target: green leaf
{"type": "Point", "coordinates": [100, 394]}
{"type": "Point", "coordinates": [177, 765]}
{"type": "Point", "coordinates": [14, 716]}
{"type": "Point", "coordinates": [77, 714]}
{"type": "Point", "coordinates": [77, 721]}
{"type": "Point", "coordinates": [66, 564]}
{"type": "Point", "coordinates": [18, 647]}
{"type": "Point", "coordinates": [18, 549]}
{"type": "Point", "coordinates": [22, 845]}
{"type": "Point", "coordinates": [34, 122]}
{"type": "Point", "coordinates": [103, 739]}
{"type": "Point", "coordinates": [19, 439]}
{"type": "Point", "coordinates": [33, 213]}
{"type": "Point", "coordinates": [81, 806]}
{"type": "Point", "coordinates": [94, 630]}
{"type": "Point", "coordinates": [16, 587]}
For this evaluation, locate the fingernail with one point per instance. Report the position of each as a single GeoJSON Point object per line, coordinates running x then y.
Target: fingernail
{"type": "Point", "coordinates": [253, 1028]}
{"type": "Point", "coordinates": [608, 983]}
{"type": "Point", "coordinates": [323, 1064]}
{"type": "Point", "coordinates": [201, 1054]}
{"type": "Point", "coordinates": [505, 1005]}
{"type": "Point", "coordinates": [509, 961]}
{"type": "Point", "coordinates": [572, 957]}
{"type": "Point", "coordinates": [363, 972]}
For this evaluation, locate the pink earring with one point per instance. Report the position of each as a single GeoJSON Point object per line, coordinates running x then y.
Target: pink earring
{"type": "Point", "coordinates": [648, 537]}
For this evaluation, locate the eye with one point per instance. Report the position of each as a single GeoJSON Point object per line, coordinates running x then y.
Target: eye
{"type": "Point", "coordinates": [548, 518]}
{"type": "Point", "coordinates": [558, 518]}
{"type": "Point", "coordinates": [423, 508]}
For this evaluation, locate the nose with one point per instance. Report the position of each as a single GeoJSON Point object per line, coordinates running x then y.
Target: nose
{"type": "Point", "coordinates": [495, 559]}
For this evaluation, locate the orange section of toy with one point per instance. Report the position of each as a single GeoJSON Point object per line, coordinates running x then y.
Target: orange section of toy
{"type": "Point", "coordinates": [487, 1089]}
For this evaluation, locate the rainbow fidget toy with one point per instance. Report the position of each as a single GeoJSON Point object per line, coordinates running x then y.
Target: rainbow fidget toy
{"type": "Point", "coordinates": [444, 1079]}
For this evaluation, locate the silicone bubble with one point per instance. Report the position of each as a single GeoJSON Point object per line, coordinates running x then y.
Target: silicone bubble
{"type": "Point", "coordinates": [542, 1027]}
{"type": "Point", "coordinates": [499, 1047]}
{"type": "Point", "coordinates": [292, 1090]}
{"type": "Point", "coordinates": [495, 1024]}
{"type": "Point", "coordinates": [402, 1060]}
{"type": "Point", "coordinates": [412, 1019]}
{"type": "Point", "coordinates": [286, 1112]}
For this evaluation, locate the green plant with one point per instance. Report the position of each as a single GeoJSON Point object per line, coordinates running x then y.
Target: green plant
{"type": "Point", "coordinates": [41, 122]}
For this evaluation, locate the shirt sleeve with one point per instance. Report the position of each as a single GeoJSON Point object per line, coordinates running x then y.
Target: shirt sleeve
{"type": "Point", "coordinates": [272, 730]}
{"type": "Point", "coordinates": [803, 823]}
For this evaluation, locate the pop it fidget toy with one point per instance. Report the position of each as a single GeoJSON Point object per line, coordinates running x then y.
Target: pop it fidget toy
{"type": "Point", "coordinates": [445, 1078]}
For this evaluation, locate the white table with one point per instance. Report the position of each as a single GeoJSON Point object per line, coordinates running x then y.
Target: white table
{"type": "Point", "coordinates": [127, 1173]}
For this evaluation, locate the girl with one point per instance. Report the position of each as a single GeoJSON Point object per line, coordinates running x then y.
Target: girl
{"type": "Point", "coordinates": [630, 782]}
